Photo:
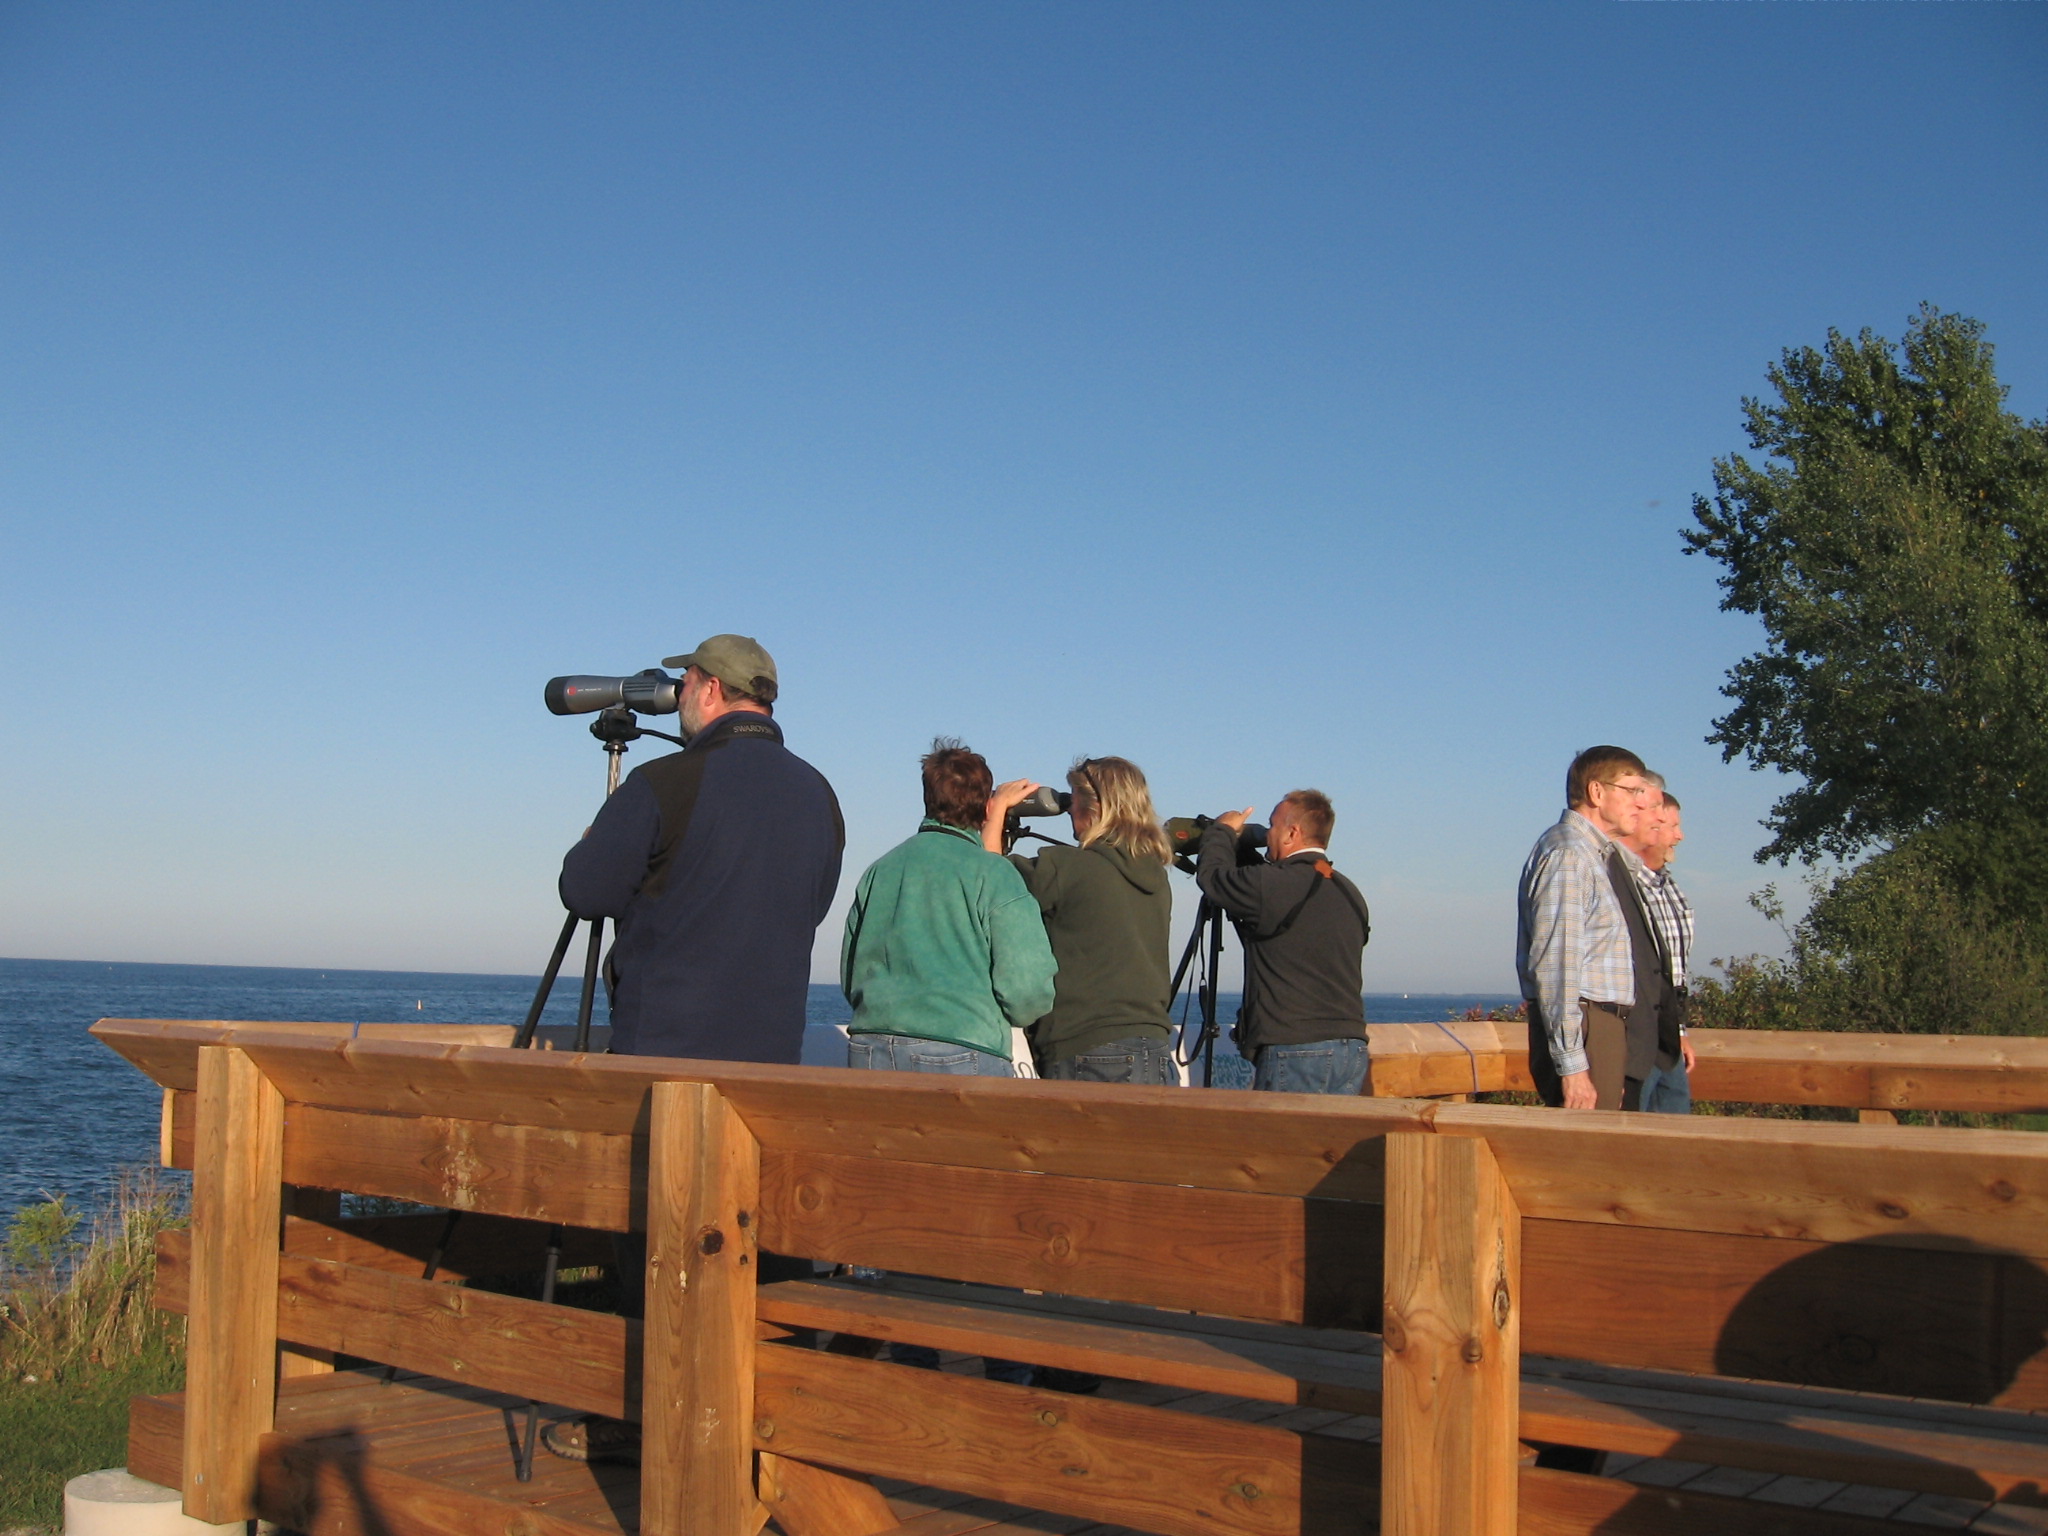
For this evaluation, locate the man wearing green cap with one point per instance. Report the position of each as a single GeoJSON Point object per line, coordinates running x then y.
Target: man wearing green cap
{"type": "Point", "coordinates": [717, 863]}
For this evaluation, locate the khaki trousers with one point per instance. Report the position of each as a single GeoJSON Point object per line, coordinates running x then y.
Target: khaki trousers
{"type": "Point", "coordinates": [1606, 1058]}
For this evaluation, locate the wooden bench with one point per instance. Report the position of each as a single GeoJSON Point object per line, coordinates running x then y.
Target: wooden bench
{"type": "Point", "coordinates": [1658, 1272]}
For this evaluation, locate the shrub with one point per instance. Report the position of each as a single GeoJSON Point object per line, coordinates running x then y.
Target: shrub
{"type": "Point", "coordinates": [68, 1304]}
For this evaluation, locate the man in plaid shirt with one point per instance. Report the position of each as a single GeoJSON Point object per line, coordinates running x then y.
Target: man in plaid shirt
{"type": "Point", "coordinates": [1668, 1090]}
{"type": "Point", "coordinates": [1573, 952]}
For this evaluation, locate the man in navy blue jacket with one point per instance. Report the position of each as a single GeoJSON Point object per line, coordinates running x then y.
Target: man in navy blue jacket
{"type": "Point", "coordinates": [717, 863]}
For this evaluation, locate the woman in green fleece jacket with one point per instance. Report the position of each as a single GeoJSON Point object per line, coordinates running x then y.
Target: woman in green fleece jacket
{"type": "Point", "coordinates": [1107, 908]}
{"type": "Point", "coordinates": [944, 951]}
{"type": "Point", "coordinates": [943, 954]}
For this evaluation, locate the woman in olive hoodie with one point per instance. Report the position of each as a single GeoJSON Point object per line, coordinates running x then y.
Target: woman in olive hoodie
{"type": "Point", "coordinates": [1107, 909]}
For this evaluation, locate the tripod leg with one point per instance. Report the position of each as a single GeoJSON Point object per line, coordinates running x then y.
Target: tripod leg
{"type": "Point", "coordinates": [547, 1295]}
{"type": "Point", "coordinates": [1209, 985]}
{"type": "Point", "coordinates": [589, 997]}
{"type": "Point", "coordinates": [524, 1038]}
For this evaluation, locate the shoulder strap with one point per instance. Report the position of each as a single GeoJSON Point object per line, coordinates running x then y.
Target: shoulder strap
{"type": "Point", "coordinates": [675, 793]}
{"type": "Point", "coordinates": [1325, 874]}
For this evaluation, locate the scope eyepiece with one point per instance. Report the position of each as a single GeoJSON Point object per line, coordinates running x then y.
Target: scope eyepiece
{"type": "Point", "coordinates": [652, 692]}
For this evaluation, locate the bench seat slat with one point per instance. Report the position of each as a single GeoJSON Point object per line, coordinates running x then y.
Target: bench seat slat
{"type": "Point", "coordinates": [1952, 1449]}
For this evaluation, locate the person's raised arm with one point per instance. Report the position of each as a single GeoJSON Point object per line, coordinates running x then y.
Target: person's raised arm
{"type": "Point", "coordinates": [1000, 801]}
{"type": "Point", "coordinates": [1236, 890]}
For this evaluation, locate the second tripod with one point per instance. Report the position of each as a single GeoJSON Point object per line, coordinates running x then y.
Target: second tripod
{"type": "Point", "coordinates": [1206, 941]}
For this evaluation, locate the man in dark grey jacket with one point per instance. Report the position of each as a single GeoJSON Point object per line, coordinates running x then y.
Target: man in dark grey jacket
{"type": "Point", "coordinates": [1304, 928]}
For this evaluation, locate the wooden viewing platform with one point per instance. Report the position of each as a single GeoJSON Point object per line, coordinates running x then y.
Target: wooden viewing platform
{"type": "Point", "coordinates": [1317, 1315]}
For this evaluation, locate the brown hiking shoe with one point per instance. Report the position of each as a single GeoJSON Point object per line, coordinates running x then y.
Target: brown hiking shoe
{"type": "Point", "coordinates": [594, 1439]}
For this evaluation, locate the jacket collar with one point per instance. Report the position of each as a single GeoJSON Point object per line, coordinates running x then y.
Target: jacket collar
{"type": "Point", "coordinates": [742, 723]}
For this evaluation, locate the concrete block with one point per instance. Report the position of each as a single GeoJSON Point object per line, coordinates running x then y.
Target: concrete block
{"type": "Point", "coordinates": [117, 1503]}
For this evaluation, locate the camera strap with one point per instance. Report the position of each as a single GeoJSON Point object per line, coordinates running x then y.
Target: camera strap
{"type": "Point", "coordinates": [1325, 874]}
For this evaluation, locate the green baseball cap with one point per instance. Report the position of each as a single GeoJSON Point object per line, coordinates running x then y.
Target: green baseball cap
{"type": "Point", "coordinates": [736, 661]}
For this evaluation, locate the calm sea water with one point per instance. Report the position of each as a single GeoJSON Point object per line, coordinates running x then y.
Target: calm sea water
{"type": "Point", "coordinates": [76, 1113]}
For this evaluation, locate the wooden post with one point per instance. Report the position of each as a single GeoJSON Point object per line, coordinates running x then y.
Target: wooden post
{"type": "Point", "coordinates": [1453, 1335]}
{"type": "Point", "coordinates": [697, 1380]}
{"type": "Point", "coordinates": [231, 1342]}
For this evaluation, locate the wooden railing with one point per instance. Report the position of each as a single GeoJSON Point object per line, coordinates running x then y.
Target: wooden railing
{"type": "Point", "coordinates": [1478, 1276]}
{"type": "Point", "coordinates": [1877, 1075]}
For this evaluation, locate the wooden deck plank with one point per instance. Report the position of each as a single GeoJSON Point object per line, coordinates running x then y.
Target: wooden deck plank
{"type": "Point", "coordinates": [1568, 1504]}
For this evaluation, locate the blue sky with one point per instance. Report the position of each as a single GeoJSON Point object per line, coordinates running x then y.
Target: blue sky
{"type": "Point", "coordinates": [1275, 395]}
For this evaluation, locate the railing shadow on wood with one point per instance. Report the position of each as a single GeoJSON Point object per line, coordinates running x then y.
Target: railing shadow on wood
{"type": "Point", "coordinates": [1381, 1256]}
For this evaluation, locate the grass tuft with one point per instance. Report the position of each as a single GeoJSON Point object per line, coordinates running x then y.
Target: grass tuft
{"type": "Point", "coordinates": [78, 1338]}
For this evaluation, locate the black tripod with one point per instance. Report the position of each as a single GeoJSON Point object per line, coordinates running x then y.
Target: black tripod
{"type": "Point", "coordinates": [1206, 940]}
{"type": "Point", "coordinates": [615, 727]}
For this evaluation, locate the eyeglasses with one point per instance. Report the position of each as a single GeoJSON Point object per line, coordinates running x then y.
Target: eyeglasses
{"type": "Point", "coordinates": [1639, 791]}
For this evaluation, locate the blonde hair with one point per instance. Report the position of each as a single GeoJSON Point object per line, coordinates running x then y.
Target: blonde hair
{"type": "Point", "coordinates": [1112, 793]}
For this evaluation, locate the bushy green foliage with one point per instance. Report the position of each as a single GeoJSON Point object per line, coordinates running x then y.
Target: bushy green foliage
{"type": "Point", "coordinates": [1895, 545]}
{"type": "Point", "coordinates": [1898, 945]}
{"type": "Point", "coordinates": [40, 1235]}
{"type": "Point", "coordinates": [69, 1306]}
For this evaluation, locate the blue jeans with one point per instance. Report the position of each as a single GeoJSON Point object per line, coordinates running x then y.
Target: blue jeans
{"type": "Point", "coordinates": [1667, 1090]}
{"type": "Point", "coordinates": [1317, 1066]}
{"type": "Point", "coordinates": [910, 1053]}
{"type": "Point", "coordinates": [1137, 1060]}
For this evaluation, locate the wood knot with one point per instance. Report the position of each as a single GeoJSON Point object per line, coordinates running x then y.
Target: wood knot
{"type": "Point", "coordinates": [2000, 1190]}
{"type": "Point", "coordinates": [809, 1197]}
{"type": "Point", "coordinates": [1473, 1351]}
{"type": "Point", "coordinates": [1894, 1212]}
{"type": "Point", "coordinates": [1048, 1417]}
{"type": "Point", "coordinates": [764, 1429]}
{"type": "Point", "coordinates": [1248, 1490]}
{"type": "Point", "coordinates": [710, 1241]}
{"type": "Point", "coordinates": [1394, 1336]}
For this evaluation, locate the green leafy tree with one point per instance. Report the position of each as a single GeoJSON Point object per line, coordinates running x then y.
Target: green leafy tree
{"type": "Point", "coordinates": [1894, 542]}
